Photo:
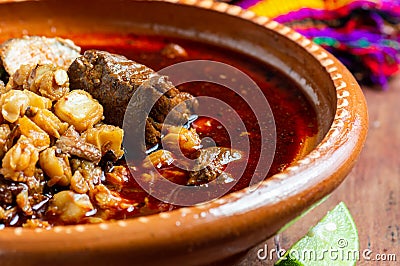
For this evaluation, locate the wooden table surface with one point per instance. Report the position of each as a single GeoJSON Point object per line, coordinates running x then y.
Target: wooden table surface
{"type": "Point", "coordinates": [371, 191]}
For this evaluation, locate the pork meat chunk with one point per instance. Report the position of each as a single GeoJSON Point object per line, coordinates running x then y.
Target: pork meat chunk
{"type": "Point", "coordinates": [33, 50]}
{"type": "Point", "coordinates": [210, 165]}
{"type": "Point", "coordinates": [113, 80]}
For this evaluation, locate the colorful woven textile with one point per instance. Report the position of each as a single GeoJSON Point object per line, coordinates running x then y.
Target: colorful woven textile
{"type": "Point", "coordinates": [363, 34]}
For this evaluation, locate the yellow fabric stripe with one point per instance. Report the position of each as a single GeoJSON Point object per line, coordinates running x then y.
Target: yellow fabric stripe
{"type": "Point", "coordinates": [273, 8]}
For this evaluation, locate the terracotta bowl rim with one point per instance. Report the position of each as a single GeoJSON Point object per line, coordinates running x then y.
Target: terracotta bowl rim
{"type": "Point", "coordinates": [348, 129]}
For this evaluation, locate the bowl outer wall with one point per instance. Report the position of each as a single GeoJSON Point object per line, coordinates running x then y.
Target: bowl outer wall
{"type": "Point", "coordinates": [236, 222]}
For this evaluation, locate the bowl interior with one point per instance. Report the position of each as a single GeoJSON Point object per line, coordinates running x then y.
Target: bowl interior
{"type": "Point", "coordinates": [163, 18]}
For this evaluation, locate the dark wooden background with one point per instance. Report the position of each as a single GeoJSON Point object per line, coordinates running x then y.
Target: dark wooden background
{"type": "Point", "coordinates": [371, 191]}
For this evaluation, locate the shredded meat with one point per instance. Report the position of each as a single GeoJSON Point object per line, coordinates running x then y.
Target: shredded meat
{"type": "Point", "coordinates": [73, 144]}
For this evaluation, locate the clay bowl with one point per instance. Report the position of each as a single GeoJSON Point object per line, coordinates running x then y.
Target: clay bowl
{"type": "Point", "coordinates": [233, 223]}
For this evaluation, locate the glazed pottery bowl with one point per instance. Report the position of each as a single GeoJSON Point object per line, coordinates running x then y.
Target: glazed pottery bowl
{"type": "Point", "coordinates": [233, 223]}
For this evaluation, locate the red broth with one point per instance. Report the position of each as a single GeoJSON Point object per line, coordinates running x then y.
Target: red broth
{"type": "Point", "coordinates": [294, 116]}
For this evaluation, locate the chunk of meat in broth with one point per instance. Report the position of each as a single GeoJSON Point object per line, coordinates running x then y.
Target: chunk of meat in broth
{"type": "Point", "coordinates": [113, 80]}
{"type": "Point", "coordinates": [33, 50]}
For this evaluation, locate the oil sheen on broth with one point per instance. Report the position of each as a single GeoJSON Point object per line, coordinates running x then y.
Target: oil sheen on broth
{"type": "Point", "coordinates": [294, 116]}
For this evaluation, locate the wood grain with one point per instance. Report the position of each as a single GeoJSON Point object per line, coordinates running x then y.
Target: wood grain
{"type": "Point", "coordinates": [371, 191]}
